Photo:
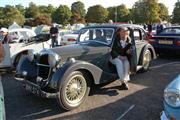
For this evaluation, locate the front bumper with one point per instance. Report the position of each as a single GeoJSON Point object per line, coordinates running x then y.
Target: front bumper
{"type": "Point", "coordinates": [36, 89]}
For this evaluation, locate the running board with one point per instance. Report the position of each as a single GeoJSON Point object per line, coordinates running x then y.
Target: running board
{"type": "Point", "coordinates": [139, 67]}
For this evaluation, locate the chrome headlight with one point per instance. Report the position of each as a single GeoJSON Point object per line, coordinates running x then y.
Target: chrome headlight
{"type": "Point", "coordinates": [53, 59]}
{"type": "Point", "coordinates": [30, 55]}
{"type": "Point", "coordinates": [172, 97]}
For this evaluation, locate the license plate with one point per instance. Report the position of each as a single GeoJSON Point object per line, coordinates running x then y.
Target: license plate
{"type": "Point", "coordinates": [167, 42]}
{"type": "Point", "coordinates": [32, 89]}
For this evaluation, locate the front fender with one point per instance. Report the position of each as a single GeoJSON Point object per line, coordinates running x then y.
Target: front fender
{"type": "Point", "coordinates": [26, 66]}
{"type": "Point", "coordinates": [61, 74]}
{"type": "Point", "coordinates": [147, 47]}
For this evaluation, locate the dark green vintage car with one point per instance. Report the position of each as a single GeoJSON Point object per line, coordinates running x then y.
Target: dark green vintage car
{"type": "Point", "coordinates": [68, 72]}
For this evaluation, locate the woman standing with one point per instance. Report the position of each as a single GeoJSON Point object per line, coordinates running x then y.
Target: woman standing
{"type": "Point", "coordinates": [120, 53]}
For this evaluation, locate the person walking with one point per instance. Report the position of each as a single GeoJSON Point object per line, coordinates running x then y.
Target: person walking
{"type": "Point", "coordinates": [119, 56]}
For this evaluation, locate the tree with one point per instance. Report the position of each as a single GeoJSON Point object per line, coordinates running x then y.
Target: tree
{"type": "Point", "coordinates": [145, 11]}
{"type": "Point", "coordinates": [78, 12]}
{"type": "Point", "coordinates": [176, 13]}
{"type": "Point", "coordinates": [11, 14]}
{"type": "Point", "coordinates": [119, 13]}
{"type": "Point", "coordinates": [20, 8]}
{"type": "Point", "coordinates": [62, 15]}
{"type": "Point", "coordinates": [163, 12]}
{"type": "Point", "coordinates": [78, 8]}
{"type": "Point", "coordinates": [97, 14]}
{"type": "Point", "coordinates": [46, 9]}
{"type": "Point", "coordinates": [32, 11]}
{"type": "Point", "coordinates": [43, 20]}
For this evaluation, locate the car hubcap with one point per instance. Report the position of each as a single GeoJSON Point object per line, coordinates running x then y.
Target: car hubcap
{"type": "Point", "coordinates": [146, 60]}
{"type": "Point", "coordinates": [75, 89]}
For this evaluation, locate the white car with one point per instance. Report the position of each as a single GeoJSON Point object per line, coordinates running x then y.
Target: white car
{"type": "Point", "coordinates": [20, 34]}
{"type": "Point", "coordinates": [69, 38]}
{"type": "Point", "coordinates": [14, 51]}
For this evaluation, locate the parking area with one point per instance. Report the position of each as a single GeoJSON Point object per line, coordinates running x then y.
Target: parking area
{"type": "Point", "coordinates": [144, 100]}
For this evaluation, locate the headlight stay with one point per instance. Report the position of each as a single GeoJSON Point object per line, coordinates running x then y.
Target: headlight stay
{"type": "Point", "coordinates": [172, 97]}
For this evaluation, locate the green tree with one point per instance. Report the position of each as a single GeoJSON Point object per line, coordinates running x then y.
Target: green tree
{"type": "Point", "coordinates": [119, 13]}
{"type": "Point", "coordinates": [97, 14]}
{"type": "Point", "coordinates": [11, 14]}
{"type": "Point", "coordinates": [32, 11]}
{"type": "Point", "coordinates": [163, 12]}
{"type": "Point", "coordinates": [145, 10]}
{"type": "Point", "coordinates": [20, 8]}
{"type": "Point", "coordinates": [78, 12]}
{"type": "Point", "coordinates": [176, 13]}
{"type": "Point", "coordinates": [62, 15]}
{"type": "Point", "coordinates": [42, 20]}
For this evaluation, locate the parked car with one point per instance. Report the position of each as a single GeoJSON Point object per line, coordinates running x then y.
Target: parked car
{"type": "Point", "coordinates": [68, 72]}
{"type": "Point", "coordinates": [21, 34]}
{"type": "Point", "coordinates": [14, 51]}
{"type": "Point", "coordinates": [2, 103]}
{"type": "Point", "coordinates": [168, 41]}
{"type": "Point", "coordinates": [172, 101]}
{"type": "Point", "coordinates": [69, 38]}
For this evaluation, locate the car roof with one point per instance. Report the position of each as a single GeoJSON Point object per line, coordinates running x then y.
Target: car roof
{"type": "Point", "coordinates": [115, 26]}
{"type": "Point", "coordinates": [178, 26]}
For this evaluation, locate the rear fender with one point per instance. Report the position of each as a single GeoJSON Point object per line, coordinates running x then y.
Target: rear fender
{"type": "Point", "coordinates": [61, 74]}
{"type": "Point", "coordinates": [147, 47]}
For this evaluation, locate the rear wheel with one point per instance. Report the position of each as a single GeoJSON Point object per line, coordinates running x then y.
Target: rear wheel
{"type": "Point", "coordinates": [146, 60]}
{"type": "Point", "coordinates": [74, 90]}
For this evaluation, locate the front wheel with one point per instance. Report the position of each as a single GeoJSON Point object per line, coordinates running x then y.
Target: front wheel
{"type": "Point", "coordinates": [74, 90]}
{"type": "Point", "coordinates": [146, 60]}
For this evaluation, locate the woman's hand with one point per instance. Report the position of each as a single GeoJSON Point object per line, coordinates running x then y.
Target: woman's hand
{"type": "Point", "coordinates": [129, 51]}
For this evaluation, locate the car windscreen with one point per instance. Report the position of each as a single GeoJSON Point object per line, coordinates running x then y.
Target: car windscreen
{"type": "Point", "coordinates": [103, 35]}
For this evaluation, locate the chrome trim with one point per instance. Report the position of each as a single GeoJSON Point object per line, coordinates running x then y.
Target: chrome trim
{"type": "Point", "coordinates": [43, 65]}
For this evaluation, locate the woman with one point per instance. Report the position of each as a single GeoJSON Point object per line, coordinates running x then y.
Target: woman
{"type": "Point", "coordinates": [120, 53]}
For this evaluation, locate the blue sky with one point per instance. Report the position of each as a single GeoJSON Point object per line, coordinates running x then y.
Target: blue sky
{"type": "Point", "coordinates": [106, 3]}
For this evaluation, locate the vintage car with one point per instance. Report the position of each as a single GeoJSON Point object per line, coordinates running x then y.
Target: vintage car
{"type": "Point", "coordinates": [14, 51]}
{"type": "Point", "coordinates": [21, 34]}
{"type": "Point", "coordinates": [172, 101]}
{"type": "Point", "coordinates": [68, 72]}
{"type": "Point", "coordinates": [69, 38]}
{"type": "Point", "coordinates": [168, 41]}
{"type": "Point", "coordinates": [2, 103]}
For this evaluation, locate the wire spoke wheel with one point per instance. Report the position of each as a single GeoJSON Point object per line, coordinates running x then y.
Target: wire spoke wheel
{"type": "Point", "coordinates": [75, 89]}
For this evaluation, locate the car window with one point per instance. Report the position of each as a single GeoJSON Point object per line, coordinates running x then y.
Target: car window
{"type": "Point", "coordinates": [171, 31]}
{"type": "Point", "coordinates": [136, 34]}
{"type": "Point", "coordinates": [96, 34]}
{"type": "Point", "coordinates": [143, 33]}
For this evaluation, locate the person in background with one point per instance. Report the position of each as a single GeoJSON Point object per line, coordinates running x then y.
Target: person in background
{"type": "Point", "coordinates": [1, 46]}
{"type": "Point", "coordinates": [99, 34]}
{"type": "Point", "coordinates": [4, 34]}
{"type": "Point", "coordinates": [119, 56]}
{"type": "Point", "coordinates": [159, 27]}
{"type": "Point", "coordinates": [54, 35]}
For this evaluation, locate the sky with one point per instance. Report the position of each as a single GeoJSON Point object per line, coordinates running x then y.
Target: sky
{"type": "Point", "coordinates": [105, 3]}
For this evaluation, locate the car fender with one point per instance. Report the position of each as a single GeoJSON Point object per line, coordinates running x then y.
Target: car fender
{"type": "Point", "coordinates": [16, 56]}
{"type": "Point", "coordinates": [147, 47]}
{"type": "Point", "coordinates": [26, 69]}
{"type": "Point", "coordinates": [61, 74]}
